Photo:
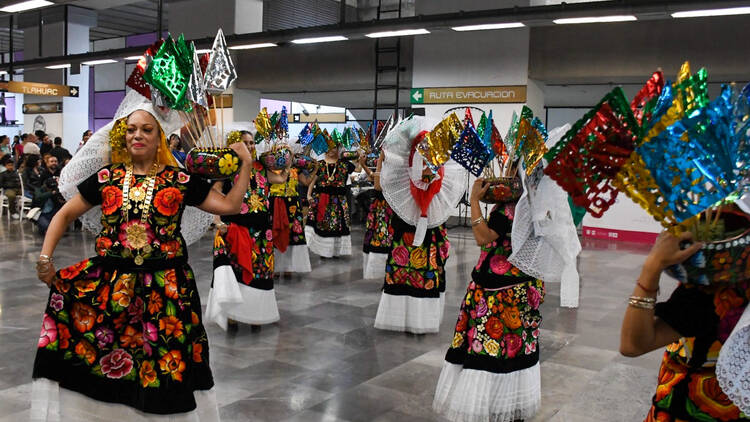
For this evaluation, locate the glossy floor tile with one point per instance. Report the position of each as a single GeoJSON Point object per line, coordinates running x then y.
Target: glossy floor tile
{"type": "Point", "coordinates": [324, 361]}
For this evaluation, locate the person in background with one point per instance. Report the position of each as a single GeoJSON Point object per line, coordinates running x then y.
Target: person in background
{"type": "Point", "coordinates": [58, 151]}
{"type": "Point", "coordinates": [44, 142]}
{"type": "Point", "coordinates": [29, 145]}
{"type": "Point", "coordinates": [84, 138]}
{"type": "Point", "coordinates": [51, 167]}
{"type": "Point", "coordinates": [10, 183]}
{"type": "Point", "coordinates": [4, 145]}
{"type": "Point", "coordinates": [17, 149]}
{"type": "Point", "coordinates": [175, 146]}
{"type": "Point", "coordinates": [31, 175]}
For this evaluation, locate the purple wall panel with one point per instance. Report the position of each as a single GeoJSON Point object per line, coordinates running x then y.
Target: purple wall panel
{"type": "Point", "coordinates": [10, 108]}
{"type": "Point", "coordinates": [105, 103]}
{"type": "Point", "coordinates": [18, 56]}
{"type": "Point", "coordinates": [92, 86]}
{"type": "Point", "coordinates": [142, 39]}
{"type": "Point", "coordinates": [100, 123]}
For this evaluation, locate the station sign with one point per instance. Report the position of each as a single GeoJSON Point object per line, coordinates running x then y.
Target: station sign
{"type": "Point", "coordinates": [36, 88]}
{"type": "Point", "coordinates": [469, 95]}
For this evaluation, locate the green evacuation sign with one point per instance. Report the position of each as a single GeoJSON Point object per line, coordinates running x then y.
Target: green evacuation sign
{"type": "Point", "coordinates": [417, 96]}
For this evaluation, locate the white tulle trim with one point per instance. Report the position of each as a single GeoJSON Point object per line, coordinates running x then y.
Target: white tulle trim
{"type": "Point", "coordinates": [296, 259]}
{"type": "Point", "coordinates": [471, 395]}
{"type": "Point", "coordinates": [373, 264]}
{"type": "Point", "coordinates": [51, 403]}
{"type": "Point", "coordinates": [733, 366]}
{"type": "Point", "coordinates": [416, 315]}
{"type": "Point", "coordinates": [544, 239]}
{"type": "Point", "coordinates": [328, 247]}
{"type": "Point", "coordinates": [229, 299]}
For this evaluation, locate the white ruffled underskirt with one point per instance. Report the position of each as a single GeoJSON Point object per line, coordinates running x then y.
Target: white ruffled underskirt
{"type": "Point", "coordinates": [418, 315]}
{"type": "Point", "coordinates": [328, 247]}
{"type": "Point", "coordinates": [373, 264]}
{"type": "Point", "coordinates": [472, 395]}
{"type": "Point", "coordinates": [296, 259]}
{"type": "Point", "coordinates": [51, 403]}
{"type": "Point", "coordinates": [229, 299]}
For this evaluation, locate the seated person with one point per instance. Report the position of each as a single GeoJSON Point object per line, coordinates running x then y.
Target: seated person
{"type": "Point", "coordinates": [31, 175]}
{"type": "Point", "coordinates": [58, 151]}
{"type": "Point", "coordinates": [10, 183]}
{"type": "Point", "coordinates": [51, 167]}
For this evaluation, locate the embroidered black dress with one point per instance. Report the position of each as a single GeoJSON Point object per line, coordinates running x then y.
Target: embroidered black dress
{"type": "Point", "coordinates": [125, 333]}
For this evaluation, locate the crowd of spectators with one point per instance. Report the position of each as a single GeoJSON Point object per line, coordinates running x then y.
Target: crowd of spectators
{"type": "Point", "coordinates": [31, 166]}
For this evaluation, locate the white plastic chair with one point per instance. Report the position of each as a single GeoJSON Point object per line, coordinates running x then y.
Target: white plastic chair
{"type": "Point", "coordinates": [4, 203]}
{"type": "Point", "coordinates": [22, 202]}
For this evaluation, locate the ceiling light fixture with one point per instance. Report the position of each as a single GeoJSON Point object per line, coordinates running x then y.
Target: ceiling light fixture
{"type": "Point", "coordinates": [203, 51]}
{"type": "Point", "coordinates": [130, 58]}
{"type": "Point", "coordinates": [314, 40]}
{"type": "Point", "coordinates": [399, 33]}
{"type": "Point", "coordinates": [596, 19]}
{"type": "Point", "coordinates": [26, 5]}
{"type": "Point", "coordinates": [252, 46]}
{"type": "Point", "coordinates": [58, 66]}
{"type": "Point", "coordinates": [96, 62]}
{"type": "Point", "coordinates": [712, 12]}
{"type": "Point", "coordinates": [488, 26]}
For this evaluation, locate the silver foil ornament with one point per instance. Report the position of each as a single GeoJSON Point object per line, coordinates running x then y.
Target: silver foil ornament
{"type": "Point", "coordinates": [220, 72]}
{"type": "Point", "coordinates": [196, 92]}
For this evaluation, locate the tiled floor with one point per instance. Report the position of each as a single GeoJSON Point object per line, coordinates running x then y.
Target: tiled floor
{"type": "Point", "coordinates": [324, 361]}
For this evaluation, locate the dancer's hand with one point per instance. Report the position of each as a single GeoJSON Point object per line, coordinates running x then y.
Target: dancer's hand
{"type": "Point", "coordinates": [478, 189]}
{"type": "Point", "coordinates": [667, 251]}
{"type": "Point", "coordinates": [45, 271]}
{"type": "Point", "coordinates": [242, 152]}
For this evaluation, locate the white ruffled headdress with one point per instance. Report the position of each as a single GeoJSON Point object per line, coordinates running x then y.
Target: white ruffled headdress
{"type": "Point", "coordinates": [96, 153]}
{"type": "Point", "coordinates": [397, 175]}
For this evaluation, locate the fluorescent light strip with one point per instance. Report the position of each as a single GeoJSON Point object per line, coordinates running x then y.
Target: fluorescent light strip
{"type": "Point", "coordinates": [487, 26]}
{"type": "Point", "coordinates": [252, 46]}
{"type": "Point", "coordinates": [400, 33]}
{"type": "Point", "coordinates": [596, 19]}
{"type": "Point", "coordinates": [203, 51]}
{"type": "Point", "coordinates": [96, 62]}
{"type": "Point", "coordinates": [319, 39]}
{"type": "Point", "coordinates": [26, 5]}
{"type": "Point", "coordinates": [3, 72]}
{"type": "Point", "coordinates": [58, 66]}
{"type": "Point", "coordinates": [132, 58]}
{"type": "Point", "coordinates": [712, 12]}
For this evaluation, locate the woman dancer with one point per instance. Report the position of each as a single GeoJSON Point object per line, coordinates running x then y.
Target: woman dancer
{"type": "Point", "coordinates": [242, 288]}
{"type": "Point", "coordinates": [125, 326]}
{"type": "Point", "coordinates": [328, 219]}
{"type": "Point", "coordinates": [291, 255]}
{"type": "Point", "coordinates": [491, 370]}
{"type": "Point", "coordinates": [414, 287]}
{"type": "Point", "coordinates": [378, 230]}
{"type": "Point", "coordinates": [695, 325]}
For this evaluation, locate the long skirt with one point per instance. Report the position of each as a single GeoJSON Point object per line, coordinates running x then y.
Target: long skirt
{"type": "Point", "coordinates": [378, 238]}
{"type": "Point", "coordinates": [414, 290]}
{"type": "Point", "coordinates": [328, 222]}
{"type": "Point", "coordinates": [123, 335]}
{"type": "Point", "coordinates": [295, 258]}
{"type": "Point", "coordinates": [242, 287]}
{"type": "Point", "coordinates": [491, 370]}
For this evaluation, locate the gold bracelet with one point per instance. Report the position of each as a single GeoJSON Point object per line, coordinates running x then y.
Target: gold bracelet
{"type": "Point", "coordinates": [641, 305]}
{"type": "Point", "coordinates": [643, 299]}
{"type": "Point", "coordinates": [477, 221]}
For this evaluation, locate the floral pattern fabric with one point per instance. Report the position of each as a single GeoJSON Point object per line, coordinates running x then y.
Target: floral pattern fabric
{"type": "Point", "coordinates": [498, 324]}
{"type": "Point", "coordinates": [289, 191]}
{"type": "Point", "coordinates": [378, 229]}
{"type": "Point", "coordinates": [124, 333]}
{"type": "Point", "coordinates": [687, 388]}
{"type": "Point", "coordinates": [330, 193]}
{"type": "Point", "coordinates": [416, 271]}
{"type": "Point", "coordinates": [255, 217]}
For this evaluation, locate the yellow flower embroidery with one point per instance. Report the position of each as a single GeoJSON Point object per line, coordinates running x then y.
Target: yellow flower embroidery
{"type": "Point", "coordinates": [228, 164]}
{"type": "Point", "coordinates": [458, 340]}
{"type": "Point", "coordinates": [492, 347]}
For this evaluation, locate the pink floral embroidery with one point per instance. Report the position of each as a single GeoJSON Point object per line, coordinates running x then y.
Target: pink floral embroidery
{"type": "Point", "coordinates": [116, 364]}
{"type": "Point", "coordinates": [499, 264]}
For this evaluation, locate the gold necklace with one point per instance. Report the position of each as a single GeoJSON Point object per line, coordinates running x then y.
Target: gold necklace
{"type": "Point", "coordinates": [335, 169]}
{"type": "Point", "coordinates": [136, 233]}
